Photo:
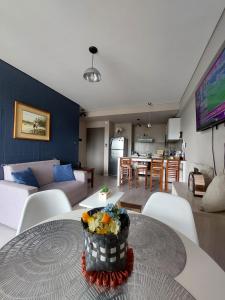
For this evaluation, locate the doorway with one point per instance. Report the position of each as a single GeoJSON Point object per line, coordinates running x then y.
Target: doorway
{"type": "Point", "coordinates": [95, 149]}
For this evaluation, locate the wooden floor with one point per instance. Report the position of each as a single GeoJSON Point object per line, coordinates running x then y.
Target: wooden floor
{"type": "Point", "coordinates": [210, 226]}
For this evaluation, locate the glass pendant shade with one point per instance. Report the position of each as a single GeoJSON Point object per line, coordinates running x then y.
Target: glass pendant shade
{"type": "Point", "coordinates": [92, 75]}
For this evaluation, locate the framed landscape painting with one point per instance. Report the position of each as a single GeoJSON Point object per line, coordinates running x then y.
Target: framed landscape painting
{"type": "Point", "coordinates": [31, 123]}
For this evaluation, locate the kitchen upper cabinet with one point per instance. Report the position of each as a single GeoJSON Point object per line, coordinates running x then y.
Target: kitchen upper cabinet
{"type": "Point", "coordinates": [173, 129]}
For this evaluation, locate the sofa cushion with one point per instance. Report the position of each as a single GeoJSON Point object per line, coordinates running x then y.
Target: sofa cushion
{"type": "Point", "coordinates": [63, 173]}
{"type": "Point", "coordinates": [43, 170]}
{"type": "Point", "coordinates": [25, 177]}
{"type": "Point", "coordinates": [74, 190]}
{"type": "Point", "coordinates": [214, 198]}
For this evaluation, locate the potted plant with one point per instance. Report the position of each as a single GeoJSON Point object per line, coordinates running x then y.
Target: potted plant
{"type": "Point", "coordinates": [105, 238]}
{"type": "Point", "coordinates": [104, 192]}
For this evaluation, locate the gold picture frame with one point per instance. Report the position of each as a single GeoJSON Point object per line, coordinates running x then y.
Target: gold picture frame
{"type": "Point", "coordinates": [31, 123]}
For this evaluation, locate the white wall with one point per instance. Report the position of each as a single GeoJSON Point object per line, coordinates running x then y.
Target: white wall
{"type": "Point", "coordinates": [199, 146]}
{"type": "Point", "coordinates": [199, 143]}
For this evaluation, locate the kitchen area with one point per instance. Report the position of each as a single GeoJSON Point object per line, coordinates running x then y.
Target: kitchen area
{"type": "Point", "coordinates": [142, 143]}
{"type": "Point", "coordinates": [130, 136]}
{"type": "Point", "coordinates": [158, 140]}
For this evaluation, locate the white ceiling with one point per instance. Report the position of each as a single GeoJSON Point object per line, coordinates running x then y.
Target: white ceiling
{"type": "Point", "coordinates": [148, 49]}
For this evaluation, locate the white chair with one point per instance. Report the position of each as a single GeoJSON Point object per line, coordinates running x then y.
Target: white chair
{"type": "Point", "coordinates": [173, 211]}
{"type": "Point", "coordinates": [41, 206]}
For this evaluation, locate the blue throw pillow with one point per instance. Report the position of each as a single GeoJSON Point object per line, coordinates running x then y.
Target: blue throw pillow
{"type": "Point", "coordinates": [25, 177]}
{"type": "Point", "coordinates": [63, 173]}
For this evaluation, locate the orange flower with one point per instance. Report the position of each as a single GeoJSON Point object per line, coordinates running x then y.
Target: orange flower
{"type": "Point", "coordinates": [85, 217]}
{"type": "Point", "coordinates": [106, 218]}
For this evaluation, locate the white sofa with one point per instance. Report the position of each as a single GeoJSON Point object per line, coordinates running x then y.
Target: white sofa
{"type": "Point", "coordinates": [14, 195]}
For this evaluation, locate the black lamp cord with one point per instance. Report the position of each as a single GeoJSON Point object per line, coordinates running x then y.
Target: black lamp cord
{"type": "Point", "coordinates": [213, 154]}
{"type": "Point", "coordinates": [92, 60]}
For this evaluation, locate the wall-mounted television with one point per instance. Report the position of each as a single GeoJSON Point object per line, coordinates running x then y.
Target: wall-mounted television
{"type": "Point", "coordinates": [210, 96]}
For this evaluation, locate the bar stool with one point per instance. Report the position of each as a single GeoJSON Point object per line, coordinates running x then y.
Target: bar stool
{"type": "Point", "coordinates": [140, 168]}
{"type": "Point", "coordinates": [125, 170]}
{"type": "Point", "coordinates": [172, 171]}
{"type": "Point", "coordinates": [157, 171]}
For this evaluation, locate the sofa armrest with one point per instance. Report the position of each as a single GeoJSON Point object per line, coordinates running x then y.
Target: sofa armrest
{"type": "Point", "coordinates": [16, 187]}
{"type": "Point", "coordinates": [80, 175]}
{"type": "Point", "coordinates": [12, 199]}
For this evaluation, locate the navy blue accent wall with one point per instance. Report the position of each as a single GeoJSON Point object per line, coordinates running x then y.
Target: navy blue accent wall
{"type": "Point", "coordinates": [63, 144]}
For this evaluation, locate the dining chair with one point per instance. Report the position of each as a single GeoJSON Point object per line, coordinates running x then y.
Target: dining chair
{"type": "Point", "coordinates": [140, 168]}
{"type": "Point", "coordinates": [125, 170]}
{"type": "Point", "coordinates": [173, 211]}
{"type": "Point", "coordinates": [172, 171]}
{"type": "Point", "coordinates": [41, 206]}
{"type": "Point", "coordinates": [156, 170]}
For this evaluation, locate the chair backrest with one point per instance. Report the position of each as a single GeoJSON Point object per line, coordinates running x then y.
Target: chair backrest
{"type": "Point", "coordinates": [41, 206]}
{"type": "Point", "coordinates": [125, 162]}
{"type": "Point", "coordinates": [173, 169]}
{"type": "Point", "coordinates": [156, 167]}
{"type": "Point", "coordinates": [174, 211]}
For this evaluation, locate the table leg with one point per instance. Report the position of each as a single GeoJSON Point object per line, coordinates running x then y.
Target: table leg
{"type": "Point", "coordinates": [92, 178]}
{"type": "Point", "coordinates": [146, 178]}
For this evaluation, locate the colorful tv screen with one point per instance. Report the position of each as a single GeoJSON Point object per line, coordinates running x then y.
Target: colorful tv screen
{"type": "Point", "coordinates": [210, 96]}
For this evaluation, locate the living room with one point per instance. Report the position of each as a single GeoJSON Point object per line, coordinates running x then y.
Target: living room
{"type": "Point", "coordinates": [106, 100]}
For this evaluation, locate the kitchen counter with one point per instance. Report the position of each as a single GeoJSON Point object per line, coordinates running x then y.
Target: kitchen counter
{"type": "Point", "coordinates": [183, 177]}
{"type": "Point", "coordinates": [139, 158]}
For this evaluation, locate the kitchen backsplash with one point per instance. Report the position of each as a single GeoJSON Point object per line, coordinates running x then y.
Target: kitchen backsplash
{"type": "Point", "coordinates": [156, 132]}
{"type": "Point", "coordinates": [145, 148]}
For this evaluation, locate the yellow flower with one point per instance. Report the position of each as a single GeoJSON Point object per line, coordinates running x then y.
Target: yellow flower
{"type": "Point", "coordinates": [101, 230]}
{"type": "Point", "coordinates": [114, 227]}
{"type": "Point", "coordinates": [91, 224]}
{"type": "Point", "coordinates": [102, 223]}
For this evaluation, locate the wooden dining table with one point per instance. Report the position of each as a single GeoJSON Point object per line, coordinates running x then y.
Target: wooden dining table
{"type": "Point", "coordinates": [197, 273]}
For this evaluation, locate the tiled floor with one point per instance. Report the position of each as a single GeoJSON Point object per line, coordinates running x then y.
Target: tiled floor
{"type": "Point", "coordinates": [210, 227]}
{"type": "Point", "coordinates": [139, 195]}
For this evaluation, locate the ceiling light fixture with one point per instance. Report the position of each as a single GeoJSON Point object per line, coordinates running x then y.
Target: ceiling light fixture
{"type": "Point", "coordinates": [149, 125]}
{"type": "Point", "coordinates": [138, 122]}
{"type": "Point", "coordinates": [92, 74]}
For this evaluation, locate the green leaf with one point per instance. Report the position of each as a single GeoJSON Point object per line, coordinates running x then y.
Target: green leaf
{"type": "Point", "coordinates": [104, 189]}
